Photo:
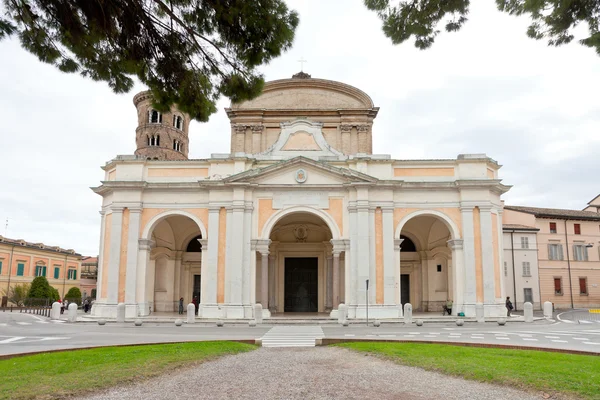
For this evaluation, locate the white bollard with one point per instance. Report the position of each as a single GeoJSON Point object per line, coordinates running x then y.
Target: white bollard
{"type": "Point", "coordinates": [528, 312]}
{"type": "Point", "coordinates": [342, 313]}
{"type": "Point", "coordinates": [408, 313]}
{"type": "Point", "coordinates": [547, 309]}
{"type": "Point", "coordinates": [191, 313]}
{"type": "Point", "coordinates": [178, 322]}
{"type": "Point", "coordinates": [258, 313]}
{"type": "Point", "coordinates": [479, 315]}
{"type": "Point", "coordinates": [73, 312]}
{"type": "Point", "coordinates": [121, 312]}
{"type": "Point", "coordinates": [55, 313]}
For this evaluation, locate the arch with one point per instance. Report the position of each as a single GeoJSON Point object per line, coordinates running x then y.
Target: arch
{"type": "Point", "coordinates": [149, 228]}
{"type": "Point", "coordinates": [454, 231]}
{"type": "Point", "coordinates": [273, 219]}
{"type": "Point", "coordinates": [408, 245]}
{"type": "Point", "coordinates": [193, 245]}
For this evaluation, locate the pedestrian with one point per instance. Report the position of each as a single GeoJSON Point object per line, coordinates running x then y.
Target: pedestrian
{"type": "Point", "coordinates": [195, 302]}
{"type": "Point", "coordinates": [181, 306]}
{"type": "Point", "coordinates": [62, 306]}
{"type": "Point", "coordinates": [86, 306]}
{"type": "Point", "coordinates": [509, 306]}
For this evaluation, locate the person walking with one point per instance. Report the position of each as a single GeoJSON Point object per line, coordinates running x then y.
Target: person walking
{"type": "Point", "coordinates": [509, 306]}
{"type": "Point", "coordinates": [195, 302]}
{"type": "Point", "coordinates": [181, 306]}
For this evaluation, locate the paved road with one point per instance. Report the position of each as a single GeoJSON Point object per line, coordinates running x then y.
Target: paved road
{"type": "Point", "coordinates": [20, 333]}
{"type": "Point", "coordinates": [321, 373]}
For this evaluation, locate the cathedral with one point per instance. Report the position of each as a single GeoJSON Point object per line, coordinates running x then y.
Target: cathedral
{"type": "Point", "coordinates": [297, 216]}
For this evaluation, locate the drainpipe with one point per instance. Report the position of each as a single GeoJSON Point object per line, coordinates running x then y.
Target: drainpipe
{"type": "Point", "coordinates": [569, 264]}
{"type": "Point", "coordinates": [12, 250]}
{"type": "Point", "coordinates": [512, 251]}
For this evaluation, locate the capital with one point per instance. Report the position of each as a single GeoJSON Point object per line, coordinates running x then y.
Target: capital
{"type": "Point", "coordinates": [398, 243]}
{"type": "Point", "coordinates": [362, 128]}
{"type": "Point", "coordinates": [146, 244]}
{"type": "Point", "coordinates": [346, 128]}
{"type": "Point", "coordinates": [455, 244]}
{"type": "Point", "coordinates": [203, 243]}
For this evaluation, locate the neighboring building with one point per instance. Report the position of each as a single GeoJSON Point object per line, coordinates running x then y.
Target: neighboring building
{"type": "Point", "coordinates": [594, 205]}
{"type": "Point", "coordinates": [89, 276]}
{"type": "Point", "coordinates": [568, 253]}
{"type": "Point", "coordinates": [520, 270]}
{"type": "Point", "coordinates": [297, 217]}
{"type": "Point", "coordinates": [61, 267]}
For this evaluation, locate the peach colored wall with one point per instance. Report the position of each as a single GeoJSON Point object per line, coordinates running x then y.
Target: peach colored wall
{"type": "Point", "coordinates": [177, 172]}
{"type": "Point", "coordinates": [495, 239]}
{"type": "Point", "coordinates": [112, 175]}
{"type": "Point", "coordinates": [379, 254]}
{"type": "Point", "coordinates": [478, 259]}
{"type": "Point", "coordinates": [336, 210]}
{"type": "Point", "coordinates": [301, 141]}
{"type": "Point", "coordinates": [423, 171]}
{"type": "Point", "coordinates": [221, 259]}
{"type": "Point", "coordinates": [106, 253]}
{"type": "Point", "coordinates": [518, 218]}
{"type": "Point", "coordinates": [123, 255]}
{"type": "Point", "coordinates": [490, 173]}
{"type": "Point", "coordinates": [547, 276]}
{"type": "Point", "coordinates": [265, 210]}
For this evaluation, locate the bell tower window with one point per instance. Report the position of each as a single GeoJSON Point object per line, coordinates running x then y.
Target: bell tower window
{"type": "Point", "coordinates": [178, 122]}
{"type": "Point", "coordinates": [154, 117]}
{"type": "Point", "coordinates": [154, 140]}
{"type": "Point", "coordinates": [177, 146]}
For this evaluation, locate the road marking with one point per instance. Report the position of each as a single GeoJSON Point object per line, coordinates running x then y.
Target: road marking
{"type": "Point", "coordinates": [552, 337]}
{"type": "Point", "coordinates": [42, 322]}
{"type": "Point", "coordinates": [349, 335]}
{"type": "Point", "coordinates": [591, 343]}
{"type": "Point", "coordinates": [430, 336]}
{"type": "Point", "coordinates": [24, 323]}
{"type": "Point", "coordinates": [530, 339]}
{"type": "Point", "coordinates": [502, 338]}
{"type": "Point", "coordinates": [580, 338]}
{"type": "Point", "coordinates": [476, 337]}
{"type": "Point", "coordinates": [3, 324]}
{"type": "Point", "coordinates": [560, 341]}
{"type": "Point", "coordinates": [387, 336]}
{"type": "Point", "coordinates": [12, 339]}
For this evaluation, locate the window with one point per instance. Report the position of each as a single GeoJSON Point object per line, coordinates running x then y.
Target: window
{"type": "Point", "coordinates": [177, 145]}
{"type": "Point", "coordinates": [524, 242]}
{"type": "Point", "coordinates": [528, 295]}
{"type": "Point", "coordinates": [555, 251]}
{"type": "Point", "coordinates": [558, 286]}
{"type": "Point", "coordinates": [72, 274]}
{"type": "Point", "coordinates": [505, 269]}
{"type": "Point", "coordinates": [56, 272]}
{"type": "Point", "coordinates": [154, 117]}
{"type": "Point", "coordinates": [177, 122]}
{"type": "Point", "coordinates": [580, 252]}
{"type": "Point", "coordinates": [583, 286]}
{"type": "Point", "coordinates": [20, 269]}
{"type": "Point", "coordinates": [526, 268]}
{"type": "Point", "coordinates": [577, 229]}
{"type": "Point", "coordinates": [40, 270]}
{"type": "Point", "coordinates": [439, 268]}
{"type": "Point", "coordinates": [154, 140]}
{"type": "Point", "coordinates": [552, 227]}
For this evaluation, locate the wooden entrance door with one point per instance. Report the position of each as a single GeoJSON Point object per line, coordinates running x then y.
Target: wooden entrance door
{"type": "Point", "coordinates": [301, 290]}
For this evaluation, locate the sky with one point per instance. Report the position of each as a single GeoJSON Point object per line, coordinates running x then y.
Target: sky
{"type": "Point", "coordinates": [486, 89]}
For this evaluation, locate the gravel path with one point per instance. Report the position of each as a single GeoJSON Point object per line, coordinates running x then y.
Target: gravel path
{"type": "Point", "coordinates": [312, 373]}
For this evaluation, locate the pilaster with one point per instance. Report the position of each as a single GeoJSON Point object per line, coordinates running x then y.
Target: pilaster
{"type": "Point", "coordinates": [132, 255]}
{"type": "Point", "coordinates": [487, 253]}
{"type": "Point", "coordinates": [143, 277]}
{"type": "Point", "coordinates": [470, 281]}
{"type": "Point", "coordinates": [458, 278]}
{"type": "Point", "coordinates": [114, 256]}
{"type": "Point", "coordinates": [390, 278]}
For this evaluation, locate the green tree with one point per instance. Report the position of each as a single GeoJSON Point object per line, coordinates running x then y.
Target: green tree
{"type": "Point", "coordinates": [39, 292]}
{"type": "Point", "coordinates": [17, 294]}
{"type": "Point", "coordinates": [54, 295]}
{"type": "Point", "coordinates": [553, 20]}
{"type": "Point", "coordinates": [73, 295]}
{"type": "Point", "coordinates": [187, 52]}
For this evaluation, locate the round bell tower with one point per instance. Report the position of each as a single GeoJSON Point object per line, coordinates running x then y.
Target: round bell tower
{"type": "Point", "coordinates": [160, 136]}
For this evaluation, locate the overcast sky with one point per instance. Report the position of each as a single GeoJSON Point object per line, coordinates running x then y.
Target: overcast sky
{"type": "Point", "coordinates": [486, 89]}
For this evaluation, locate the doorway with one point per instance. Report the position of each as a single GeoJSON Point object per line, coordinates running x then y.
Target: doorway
{"type": "Point", "coordinates": [301, 284]}
{"type": "Point", "coordinates": [404, 289]}
{"type": "Point", "coordinates": [196, 291]}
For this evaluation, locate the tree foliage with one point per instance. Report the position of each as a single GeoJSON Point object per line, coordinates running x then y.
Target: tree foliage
{"type": "Point", "coordinates": [553, 20]}
{"type": "Point", "coordinates": [54, 295]}
{"type": "Point", "coordinates": [73, 295]}
{"type": "Point", "coordinates": [17, 294]}
{"type": "Point", "coordinates": [188, 52]}
{"type": "Point", "coordinates": [40, 292]}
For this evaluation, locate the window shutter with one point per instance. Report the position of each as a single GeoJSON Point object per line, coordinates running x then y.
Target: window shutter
{"type": "Point", "coordinates": [550, 257]}
{"type": "Point", "coordinates": [44, 271]}
{"type": "Point", "coordinates": [560, 251]}
{"type": "Point", "coordinates": [557, 285]}
{"type": "Point", "coordinates": [20, 269]}
{"type": "Point", "coordinates": [582, 286]}
{"type": "Point", "coordinates": [56, 273]}
{"type": "Point", "coordinates": [577, 228]}
{"type": "Point", "coordinates": [74, 274]}
{"type": "Point", "coordinates": [585, 253]}
{"type": "Point", "coordinates": [0, 267]}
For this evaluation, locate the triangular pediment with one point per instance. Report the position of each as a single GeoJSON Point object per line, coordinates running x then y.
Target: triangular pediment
{"type": "Point", "coordinates": [300, 171]}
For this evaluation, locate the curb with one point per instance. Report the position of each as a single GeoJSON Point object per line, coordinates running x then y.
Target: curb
{"type": "Point", "coordinates": [327, 342]}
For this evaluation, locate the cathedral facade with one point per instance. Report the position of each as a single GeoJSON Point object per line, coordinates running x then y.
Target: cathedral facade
{"type": "Point", "coordinates": [297, 216]}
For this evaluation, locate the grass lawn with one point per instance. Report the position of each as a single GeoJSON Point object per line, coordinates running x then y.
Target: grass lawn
{"type": "Point", "coordinates": [59, 375]}
{"type": "Point", "coordinates": [573, 375]}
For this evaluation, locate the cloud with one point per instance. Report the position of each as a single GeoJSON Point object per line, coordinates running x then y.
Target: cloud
{"type": "Point", "coordinates": [486, 89]}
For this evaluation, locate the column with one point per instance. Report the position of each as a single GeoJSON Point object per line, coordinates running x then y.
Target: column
{"type": "Point", "coordinates": [363, 144]}
{"type": "Point", "coordinates": [132, 254]}
{"type": "Point", "coordinates": [256, 138]}
{"type": "Point", "coordinates": [456, 246]}
{"type": "Point", "coordinates": [346, 130]}
{"type": "Point", "coordinates": [143, 288]}
{"type": "Point", "coordinates": [352, 265]}
{"type": "Point", "coordinates": [229, 262]}
{"type": "Point", "coordinates": [389, 270]}
{"type": "Point", "coordinates": [247, 255]}
{"type": "Point", "coordinates": [329, 284]}
{"type": "Point", "coordinates": [100, 270]}
{"type": "Point", "coordinates": [209, 269]}
{"type": "Point", "coordinates": [372, 259]}
{"type": "Point", "coordinates": [501, 254]}
{"type": "Point", "coordinates": [272, 284]}
{"type": "Point", "coordinates": [264, 279]}
{"type": "Point", "coordinates": [398, 272]}
{"type": "Point", "coordinates": [487, 254]}
{"type": "Point", "coordinates": [114, 256]}
{"type": "Point", "coordinates": [336, 279]}
{"type": "Point", "coordinates": [203, 263]}
{"type": "Point", "coordinates": [363, 253]}
{"type": "Point", "coordinates": [470, 282]}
